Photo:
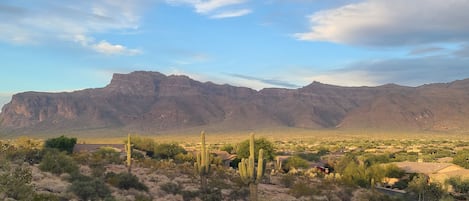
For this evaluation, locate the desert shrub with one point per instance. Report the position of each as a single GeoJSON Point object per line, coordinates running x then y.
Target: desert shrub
{"type": "Point", "coordinates": [424, 190]}
{"type": "Point", "coordinates": [302, 188]}
{"type": "Point", "coordinates": [355, 175]}
{"type": "Point", "coordinates": [108, 155]}
{"type": "Point", "coordinates": [288, 180]}
{"type": "Point", "coordinates": [46, 197]}
{"type": "Point", "coordinates": [15, 182]}
{"type": "Point", "coordinates": [344, 162]}
{"type": "Point", "coordinates": [138, 155]}
{"type": "Point", "coordinates": [296, 162]}
{"type": "Point", "coordinates": [376, 159]}
{"type": "Point", "coordinates": [88, 188]}
{"type": "Point", "coordinates": [58, 162]}
{"type": "Point", "coordinates": [181, 158]}
{"type": "Point", "coordinates": [393, 171]}
{"type": "Point", "coordinates": [168, 150]}
{"type": "Point", "coordinates": [145, 144]}
{"type": "Point", "coordinates": [142, 197]}
{"type": "Point", "coordinates": [459, 185]}
{"type": "Point", "coordinates": [261, 143]}
{"type": "Point", "coordinates": [171, 188]}
{"type": "Point", "coordinates": [97, 168]}
{"type": "Point", "coordinates": [212, 194]}
{"type": "Point", "coordinates": [240, 193]}
{"type": "Point", "coordinates": [61, 143]}
{"type": "Point", "coordinates": [189, 195]}
{"type": "Point", "coordinates": [462, 158]}
{"type": "Point", "coordinates": [125, 181]}
{"type": "Point", "coordinates": [310, 156]}
{"type": "Point", "coordinates": [228, 148]}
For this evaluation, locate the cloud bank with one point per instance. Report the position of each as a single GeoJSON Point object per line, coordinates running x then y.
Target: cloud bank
{"type": "Point", "coordinates": [391, 23]}
{"type": "Point", "coordinates": [52, 21]}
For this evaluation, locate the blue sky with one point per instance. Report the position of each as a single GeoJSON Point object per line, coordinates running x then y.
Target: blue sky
{"type": "Point", "coordinates": [56, 46]}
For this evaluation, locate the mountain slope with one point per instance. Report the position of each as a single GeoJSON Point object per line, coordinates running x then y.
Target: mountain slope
{"type": "Point", "coordinates": [151, 101]}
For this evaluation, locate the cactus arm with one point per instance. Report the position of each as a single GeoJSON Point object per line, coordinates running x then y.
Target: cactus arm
{"type": "Point", "coordinates": [260, 165]}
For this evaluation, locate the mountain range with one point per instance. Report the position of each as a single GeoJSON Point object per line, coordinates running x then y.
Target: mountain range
{"type": "Point", "coordinates": [151, 101]}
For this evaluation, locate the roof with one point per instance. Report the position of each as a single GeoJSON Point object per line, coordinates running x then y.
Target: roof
{"type": "Point", "coordinates": [425, 168]}
{"type": "Point", "coordinates": [96, 147]}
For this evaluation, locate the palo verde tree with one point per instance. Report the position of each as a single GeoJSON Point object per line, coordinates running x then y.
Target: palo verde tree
{"type": "Point", "coordinates": [249, 174]}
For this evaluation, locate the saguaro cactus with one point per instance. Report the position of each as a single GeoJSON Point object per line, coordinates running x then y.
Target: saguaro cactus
{"type": "Point", "coordinates": [278, 165]}
{"type": "Point", "coordinates": [128, 149]}
{"type": "Point", "coordinates": [202, 165]}
{"type": "Point", "coordinates": [249, 174]}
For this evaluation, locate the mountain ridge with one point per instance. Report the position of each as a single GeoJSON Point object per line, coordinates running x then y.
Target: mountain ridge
{"type": "Point", "coordinates": [151, 101]}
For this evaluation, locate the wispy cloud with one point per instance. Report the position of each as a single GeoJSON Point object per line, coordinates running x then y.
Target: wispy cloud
{"type": "Point", "coordinates": [53, 21]}
{"type": "Point", "coordinates": [410, 72]}
{"type": "Point", "coordinates": [271, 82]}
{"type": "Point", "coordinates": [391, 23]}
{"type": "Point", "coordinates": [215, 9]}
{"type": "Point", "coordinates": [228, 14]}
{"type": "Point", "coordinates": [426, 50]}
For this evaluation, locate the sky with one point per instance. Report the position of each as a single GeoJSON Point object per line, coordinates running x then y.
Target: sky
{"type": "Point", "coordinates": [55, 46]}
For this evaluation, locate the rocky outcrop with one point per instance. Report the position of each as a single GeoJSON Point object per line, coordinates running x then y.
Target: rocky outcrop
{"type": "Point", "coordinates": [151, 101]}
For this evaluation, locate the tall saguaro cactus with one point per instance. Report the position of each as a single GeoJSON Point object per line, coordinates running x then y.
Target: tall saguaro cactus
{"type": "Point", "coordinates": [249, 174]}
{"type": "Point", "coordinates": [128, 149]}
{"type": "Point", "coordinates": [202, 165]}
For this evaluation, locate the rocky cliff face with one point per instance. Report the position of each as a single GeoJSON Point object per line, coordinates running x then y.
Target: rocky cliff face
{"type": "Point", "coordinates": [152, 101]}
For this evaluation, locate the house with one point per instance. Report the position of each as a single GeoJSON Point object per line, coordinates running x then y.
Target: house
{"type": "Point", "coordinates": [438, 172]}
{"type": "Point", "coordinates": [225, 157]}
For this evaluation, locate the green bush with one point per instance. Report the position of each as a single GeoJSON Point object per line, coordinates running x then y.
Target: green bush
{"type": "Point", "coordinates": [228, 148]}
{"type": "Point", "coordinates": [58, 162]}
{"type": "Point", "coordinates": [168, 150]}
{"type": "Point", "coordinates": [88, 188]}
{"type": "Point", "coordinates": [46, 197]}
{"type": "Point", "coordinates": [108, 155]}
{"type": "Point", "coordinates": [459, 185]}
{"type": "Point", "coordinates": [462, 158]}
{"type": "Point", "coordinates": [61, 143]}
{"type": "Point", "coordinates": [15, 182]}
{"type": "Point", "coordinates": [393, 171]}
{"type": "Point", "coordinates": [261, 143]}
{"type": "Point", "coordinates": [125, 181]}
{"type": "Point", "coordinates": [171, 188]}
{"type": "Point", "coordinates": [296, 162]}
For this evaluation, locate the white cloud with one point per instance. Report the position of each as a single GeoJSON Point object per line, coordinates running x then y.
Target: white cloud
{"type": "Point", "coordinates": [108, 48]}
{"type": "Point", "coordinates": [53, 21]}
{"type": "Point", "coordinates": [211, 5]}
{"type": "Point", "coordinates": [228, 14]}
{"type": "Point", "coordinates": [214, 8]}
{"type": "Point", "coordinates": [391, 23]}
